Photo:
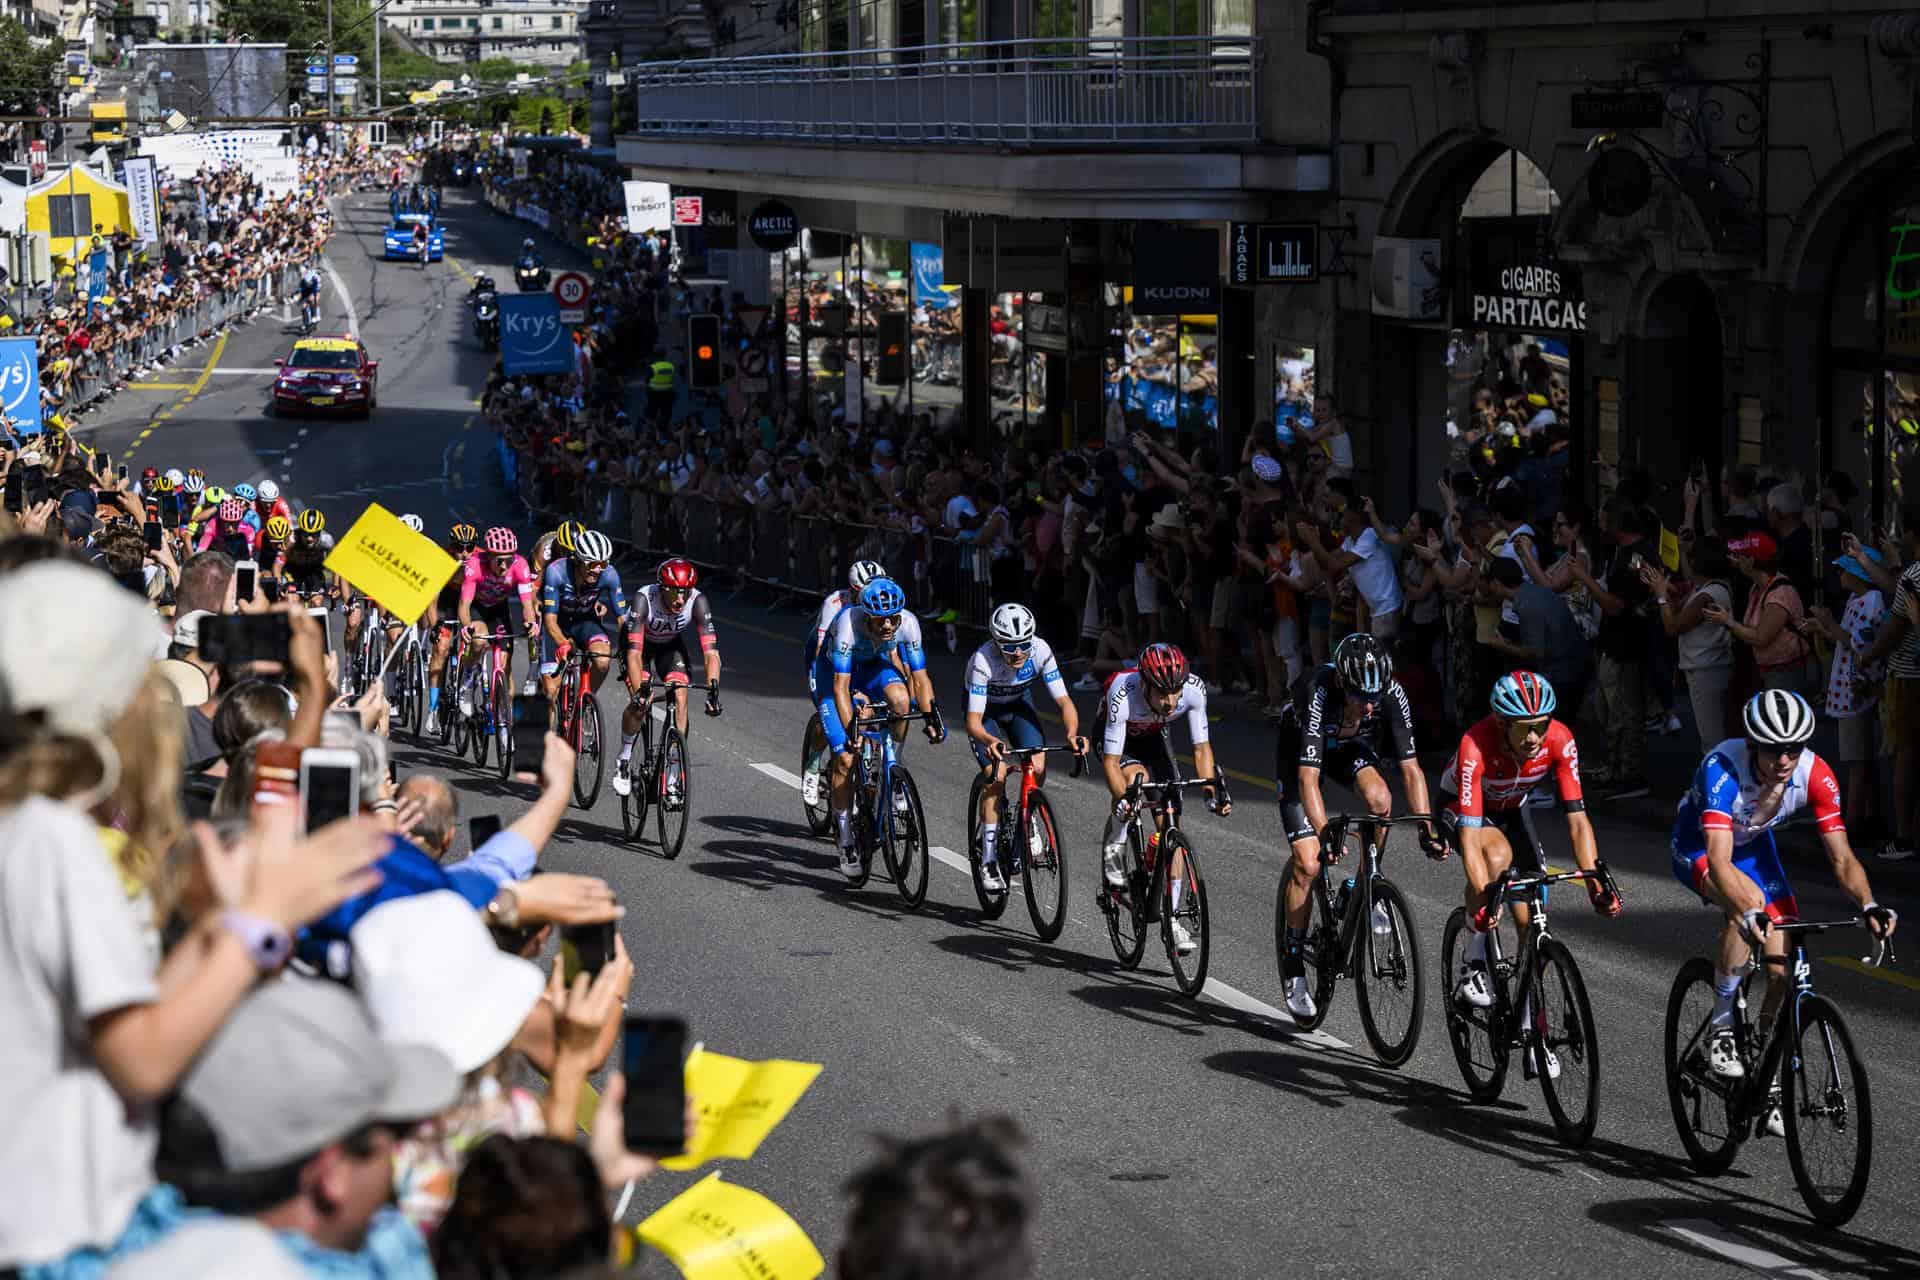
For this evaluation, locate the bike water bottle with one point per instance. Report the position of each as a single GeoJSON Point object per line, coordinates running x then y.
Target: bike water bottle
{"type": "Point", "coordinates": [1153, 849]}
{"type": "Point", "coordinates": [1346, 892]}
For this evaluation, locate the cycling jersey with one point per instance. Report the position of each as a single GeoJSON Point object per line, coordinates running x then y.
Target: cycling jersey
{"type": "Point", "coordinates": [1314, 724]}
{"type": "Point", "coordinates": [991, 679]}
{"type": "Point", "coordinates": [1487, 780]}
{"type": "Point", "coordinates": [1725, 797]}
{"type": "Point", "coordinates": [264, 511]}
{"type": "Point", "coordinates": [479, 585]}
{"type": "Point", "coordinates": [309, 285]}
{"type": "Point", "coordinates": [1129, 716]}
{"type": "Point", "coordinates": [848, 642]}
{"type": "Point", "coordinates": [829, 610]}
{"type": "Point", "coordinates": [221, 532]}
{"type": "Point", "coordinates": [650, 620]}
{"type": "Point", "coordinates": [566, 600]}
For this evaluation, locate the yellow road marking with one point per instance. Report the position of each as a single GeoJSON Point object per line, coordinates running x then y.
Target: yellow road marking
{"type": "Point", "coordinates": [200, 383]}
{"type": "Point", "coordinates": [1885, 975]}
{"type": "Point", "coordinates": [455, 264]}
{"type": "Point", "coordinates": [160, 386]}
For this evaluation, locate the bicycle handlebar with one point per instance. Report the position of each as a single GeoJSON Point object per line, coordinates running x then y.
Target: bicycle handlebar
{"type": "Point", "coordinates": [1079, 758]}
{"type": "Point", "coordinates": [1513, 887]}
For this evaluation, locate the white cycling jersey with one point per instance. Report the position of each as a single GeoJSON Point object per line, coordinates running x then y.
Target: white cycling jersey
{"type": "Point", "coordinates": [1127, 711]}
{"type": "Point", "coordinates": [660, 623]}
{"type": "Point", "coordinates": [829, 610]}
{"type": "Point", "coordinates": [990, 678]}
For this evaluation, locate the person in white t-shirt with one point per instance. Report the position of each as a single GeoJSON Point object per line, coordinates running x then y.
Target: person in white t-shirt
{"type": "Point", "coordinates": [1366, 559]}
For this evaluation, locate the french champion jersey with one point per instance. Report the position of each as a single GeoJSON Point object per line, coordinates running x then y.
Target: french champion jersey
{"type": "Point", "coordinates": [1127, 711]}
{"type": "Point", "coordinates": [991, 679]}
{"type": "Point", "coordinates": [1725, 797]}
{"type": "Point", "coordinates": [566, 600]}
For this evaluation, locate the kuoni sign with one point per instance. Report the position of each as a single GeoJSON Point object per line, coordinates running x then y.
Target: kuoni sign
{"type": "Point", "coordinates": [393, 565]}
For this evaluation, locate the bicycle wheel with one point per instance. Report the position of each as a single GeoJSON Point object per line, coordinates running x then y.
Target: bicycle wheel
{"type": "Point", "coordinates": [1563, 1025]}
{"type": "Point", "coordinates": [1044, 876]}
{"type": "Point", "coordinates": [1479, 1047]}
{"type": "Point", "coordinates": [1188, 908]}
{"type": "Point", "coordinates": [449, 708]}
{"type": "Point", "coordinates": [502, 710]}
{"type": "Point", "coordinates": [992, 901]}
{"type": "Point", "coordinates": [1703, 1104]}
{"type": "Point", "coordinates": [1828, 1108]}
{"type": "Point", "coordinates": [675, 794]}
{"type": "Point", "coordinates": [1388, 980]}
{"type": "Point", "coordinates": [588, 764]}
{"type": "Point", "coordinates": [1126, 923]}
{"type": "Point", "coordinates": [813, 764]}
{"type": "Point", "coordinates": [1319, 935]}
{"type": "Point", "coordinates": [479, 730]}
{"type": "Point", "coordinates": [906, 840]}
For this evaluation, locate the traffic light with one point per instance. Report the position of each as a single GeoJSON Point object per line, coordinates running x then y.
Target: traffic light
{"type": "Point", "coordinates": [892, 369]}
{"type": "Point", "coordinates": [703, 352]}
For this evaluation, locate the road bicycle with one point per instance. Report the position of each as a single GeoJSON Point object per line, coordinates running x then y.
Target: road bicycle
{"type": "Point", "coordinates": [1807, 1056]}
{"type": "Point", "coordinates": [1540, 1006]}
{"type": "Point", "coordinates": [477, 702]}
{"type": "Point", "coordinates": [1361, 929]}
{"type": "Point", "coordinates": [578, 721]}
{"type": "Point", "coordinates": [408, 668]}
{"type": "Point", "coordinates": [663, 778]}
{"type": "Point", "coordinates": [814, 759]}
{"type": "Point", "coordinates": [1153, 892]}
{"type": "Point", "coordinates": [887, 814]}
{"type": "Point", "coordinates": [364, 662]}
{"type": "Point", "coordinates": [309, 315]}
{"type": "Point", "coordinates": [1029, 845]}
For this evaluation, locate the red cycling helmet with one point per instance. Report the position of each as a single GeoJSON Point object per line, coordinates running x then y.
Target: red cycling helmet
{"type": "Point", "coordinates": [232, 511]}
{"type": "Point", "coordinates": [679, 575]}
{"type": "Point", "coordinates": [500, 541]}
{"type": "Point", "coordinates": [1163, 667]}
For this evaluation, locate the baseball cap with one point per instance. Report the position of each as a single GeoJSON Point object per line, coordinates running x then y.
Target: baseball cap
{"type": "Point", "coordinates": [298, 1065]}
{"type": "Point", "coordinates": [1852, 565]}
{"type": "Point", "coordinates": [1266, 468]}
{"type": "Point", "coordinates": [1754, 546]}
{"type": "Point", "coordinates": [431, 975]}
{"type": "Point", "coordinates": [186, 628]}
{"type": "Point", "coordinates": [74, 645]}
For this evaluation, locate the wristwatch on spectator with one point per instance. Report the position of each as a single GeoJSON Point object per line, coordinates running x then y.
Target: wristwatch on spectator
{"type": "Point", "coordinates": [270, 945]}
{"type": "Point", "coordinates": [504, 911]}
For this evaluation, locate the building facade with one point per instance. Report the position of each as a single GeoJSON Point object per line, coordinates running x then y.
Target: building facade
{"type": "Point", "coordinates": [536, 33]}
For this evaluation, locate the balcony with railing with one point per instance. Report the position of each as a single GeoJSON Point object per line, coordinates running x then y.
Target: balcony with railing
{"type": "Point", "coordinates": [1136, 93]}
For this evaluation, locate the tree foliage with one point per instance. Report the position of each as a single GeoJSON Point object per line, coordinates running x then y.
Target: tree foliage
{"type": "Point", "coordinates": [28, 80]}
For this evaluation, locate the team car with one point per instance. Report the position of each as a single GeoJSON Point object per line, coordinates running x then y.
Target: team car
{"type": "Point", "coordinates": [399, 237]}
{"type": "Point", "coordinates": [323, 375]}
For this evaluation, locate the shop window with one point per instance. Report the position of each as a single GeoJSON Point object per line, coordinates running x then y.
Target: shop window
{"type": "Point", "coordinates": [1163, 370]}
{"type": "Point", "coordinates": [1872, 434]}
{"type": "Point", "coordinates": [1293, 382]}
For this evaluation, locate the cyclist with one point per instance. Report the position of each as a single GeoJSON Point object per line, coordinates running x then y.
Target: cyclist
{"type": "Point", "coordinates": [270, 552]}
{"type": "Point", "coordinates": [662, 612]}
{"type": "Point", "coordinates": [228, 531]}
{"type": "Point", "coordinates": [1337, 724]}
{"type": "Point", "coordinates": [194, 486]}
{"type": "Point", "coordinates": [306, 557]}
{"type": "Point", "coordinates": [420, 241]}
{"type": "Point", "coordinates": [1723, 849]}
{"type": "Point", "coordinates": [486, 582]}
{"type": "Point", "coordinates": [310, 296]}
{"type": "Point", "coordinates": [270, 504]}
{"type": "Point", "coordinates": [1499, 762]}
{"type": "Point", "coordinates": [1000, 711]}
{"type": "Point", "coordinates": [1139, 705]}
{"type": "Point", "coordinates": [581, 601]}
{"type": "Point", "coordinates": [857, 656]}
{"type": "Point", "coordinates": [545, 548]}
{"type": "Point", "coordinates": [249, 496]}
{"type": "Point", "coordinates": [859, 574]}
{"type": "Point", "coordinates": [444, 615]}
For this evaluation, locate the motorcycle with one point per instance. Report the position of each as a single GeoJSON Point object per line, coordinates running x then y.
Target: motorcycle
{"type": "Point", "coordinates": [486, 319]}
{"type": "Point", "coordinates": [530, 276]}
{"type": "Point", "coordinates": [460, 173]}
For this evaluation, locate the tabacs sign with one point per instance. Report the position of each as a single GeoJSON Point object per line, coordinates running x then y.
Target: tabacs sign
{"type": "Point", "coordinates": [1273, 253]}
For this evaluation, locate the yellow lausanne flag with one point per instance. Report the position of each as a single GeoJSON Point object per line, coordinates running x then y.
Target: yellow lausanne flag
{"type": "Point", "coordinates": [400, 569]}
{"type": "Point", "coordinates": [716, 1231]}
{"type": "Point", "coordinates": [740, 1102]}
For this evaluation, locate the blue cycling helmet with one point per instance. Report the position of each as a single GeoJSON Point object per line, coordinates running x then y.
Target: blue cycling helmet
{"type": "Point", "coordinates": [1522, 695]}
{"type": "Point", "coordinates": [245, 492]}
{"type": "Point", "coordinates": [882, 598]}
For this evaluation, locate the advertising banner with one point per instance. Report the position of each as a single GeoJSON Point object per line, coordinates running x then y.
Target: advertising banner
{"type": "Point", "coordinates": [532, 339]}
{"type": "Point", "coordinates": [143, 197]}
{"type": "Point", "coordinates": [649, 205]}
{"type": "Point", "coordinates": [20, 384]}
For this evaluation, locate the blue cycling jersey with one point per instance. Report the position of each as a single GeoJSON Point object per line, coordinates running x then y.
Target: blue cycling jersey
{"type": "Point", "coordinates": [848, 642]}
{"type": "Point", "coordinates": [567, 601]}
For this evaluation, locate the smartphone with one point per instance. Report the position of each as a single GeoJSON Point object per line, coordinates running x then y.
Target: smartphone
{"type": "Point", "coordinates": [15, 496]}
{"type": "Point", "coordinates": [34, 488]}
{"type": "Point", "coordinates": [106, 462]}
{"type": "Point", "coordinates": [653, 1058]}
{"type": "Point", "coordinates": [482, 829]}
{"type": "Point", "coordinates": [329, 786]}
{"type": "Point", "coordinates": [244, 637]}
{"type": "Point", "coordinates": [246, 579]}
{"type": "Point", "coordinates": [123, 473]}
{"type": "Point", "coordinates": [170, 511]}
{"type": "Point", "coordinates": [154, 535]}
{"type": "Point", "coordinates": [1634, 562]}
{"type": "Point", "coordinates": [321, 616]}
{"type": "Point", "coordinates": [529, 734]}
{"type": "Point", "coordinates": [585, 948]}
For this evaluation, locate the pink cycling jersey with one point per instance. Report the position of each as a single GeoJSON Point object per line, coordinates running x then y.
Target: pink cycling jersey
{"type": "Point", "coordinates": [490, 590]}
{"type": "Point", "coordinates": [220, 529]}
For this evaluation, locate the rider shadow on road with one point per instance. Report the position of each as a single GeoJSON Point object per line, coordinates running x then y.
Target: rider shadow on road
{"type": "Point", "coordinates": [1333, 1078]}
{"type": "Point", "coordinates": [1804, 1248]}
{"type": "Point", "coordinates": [1138, 995]}
{"type": "Point", "coordinates": [742, 824]}
{"type": "Point", "coordinates": [1525, 1136]}
{"type": "Point", "coordinates": [1017, 952]}
{"type": "Point", "coordinates": [759, 865]}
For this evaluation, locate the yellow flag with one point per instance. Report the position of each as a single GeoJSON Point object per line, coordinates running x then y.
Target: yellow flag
{"type": "Point", "coordinates": [395, 566]}
{"type": "Point", "coordinates": [740, 1102]}
{"type": "Point", "coordinates": [1669, 549]}
{"type": "Point", "coordinates": [716, 1231]}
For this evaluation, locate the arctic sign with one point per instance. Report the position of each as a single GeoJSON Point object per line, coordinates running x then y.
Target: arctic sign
{"type": "Point", "coordinates": [532, 339]}
{"type": "Point", "coordinates": [773, 225]}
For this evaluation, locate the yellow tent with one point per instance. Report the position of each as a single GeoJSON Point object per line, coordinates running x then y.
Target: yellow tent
{"type": "Point", "coordinates": [70, 204]}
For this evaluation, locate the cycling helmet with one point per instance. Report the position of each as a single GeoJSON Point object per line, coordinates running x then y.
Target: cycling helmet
{"type": "Point", "coordinates": [279, 528]}
{"type": "Point", "coordinates": [464, 536]}
{"type": "Point", "coordinates": [160, 484]}
{"type": "Point", "coordinates": [565, 535]}
{"type": "Point", "coordinates": [195, 473]}
{"type": "Point", "coordinates": [194, 485]}
{"type": "Point", "coordinates": [269, 491]}
{"type": "Point", "coordinates": [1778, 718]}
{"type": "Point", "coordinates": [527, 243]}
{"type": "Point", "coordinates": [1012, 624]}
{"type": "Point", "coordinates": [177, 476]}
{"type": "Point", "coordinates": [1522, 695]}
{"type": "Point", "coordinates": [883, 598]}
{"type": "Point", "coordinates": [414, 522]}
{"type": "Point", "coordinates": [1163, 667]}
{"type": "Point", "coordinates": [150, 474]}
{"type": "Point", "coordinates": [678, 575]}
{"type": "Point", "coordinates": [313, 520]}
{"type": "Point", "coordinates": [861, 572]}
{"type": "Point", "coordinates": [593, 546]}
{"type": "Point", "coordinates": [233, 511]}
{"type": "Point", "coordinates": [1362, 665]}
{"type": "Point", "coordinates": [500, 540]}
{"type": "Point", "coordinates": [246, 493]}
{"type": "Point", "coordinates": [215, 494]}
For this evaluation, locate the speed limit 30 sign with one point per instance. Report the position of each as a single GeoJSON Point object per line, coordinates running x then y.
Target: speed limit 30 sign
{"type": "Point", "coordinates": [571, 291]}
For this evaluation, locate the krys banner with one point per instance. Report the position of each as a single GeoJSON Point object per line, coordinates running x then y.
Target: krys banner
{"type": "Point", "coordinates": [532, 339]}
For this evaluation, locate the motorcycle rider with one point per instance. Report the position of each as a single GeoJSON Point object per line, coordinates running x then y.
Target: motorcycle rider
{"type": "Point", "coordinates": [529, 264]}
{"type": "Point", "coordinates": [484, 301]}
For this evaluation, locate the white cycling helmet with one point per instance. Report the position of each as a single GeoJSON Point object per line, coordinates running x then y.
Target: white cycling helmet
{"type": "Point", "coordinates": [1778, 718]}
{"type": "Point", "coordinates": [177, 476]}
{"type": "Point", "coordinates": [414, 522]}
{"type": "Point", "coordinates": [593, 545]}
{"type": "Point", "coordinates": [861, 572]}
{"type": "Point", "coordinates": [194, 484]}
{"type": "Point", "coordinates": [268, 491]}
{"type": "Point", "coordinates": [1012, 624]}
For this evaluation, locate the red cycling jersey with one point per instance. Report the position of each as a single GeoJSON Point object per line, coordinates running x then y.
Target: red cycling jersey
{"type": "Point", "coordinates": [1487, 779]}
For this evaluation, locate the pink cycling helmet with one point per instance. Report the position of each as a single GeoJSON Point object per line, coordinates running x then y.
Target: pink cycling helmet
{"type": "Point", "coordinates": [233, 511]}
{"type": "Point", "coordinates": [500, 541]}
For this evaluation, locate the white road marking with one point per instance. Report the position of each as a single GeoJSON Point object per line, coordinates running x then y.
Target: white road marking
{"type": "Point", "coordinates": [1711, 1235]}
{"type": "Point", "coordinates": [973, 1040]}
{"type": "Point", "coordinates": [346, 299]}
{"type": "Point", "coordinates": [943, 854]}
{"type": "Point", "coordinates": [778, 774]}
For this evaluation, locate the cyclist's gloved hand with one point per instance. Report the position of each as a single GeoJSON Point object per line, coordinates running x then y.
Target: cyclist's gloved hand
{"type": "Point", "coordinates": [1755, 924]}
{"type": "Point", "coordinates": [1122, 809]}
{"type": "Point", "coordinates": [936, 727]}
{"type": "Point", "coordinates": [1432, 843]}
{"type": "Point", "coordinates": [713, 700]}
{"type": "Point", "coordinates": [1605, 901]}
{"type": "Point", "coordinates": [562, 651]}
{"type": "Point", "coordinates": [1880, 920]}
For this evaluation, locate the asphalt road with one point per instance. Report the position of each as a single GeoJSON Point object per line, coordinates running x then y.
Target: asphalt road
{"type": "Point", "coordinates": [1168, 1136]}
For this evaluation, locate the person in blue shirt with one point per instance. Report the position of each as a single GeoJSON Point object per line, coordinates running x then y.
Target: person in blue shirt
{"type": "Point", "coordinates": [580, 604]}
{"type": "Point", "coordinates": [858, 655]}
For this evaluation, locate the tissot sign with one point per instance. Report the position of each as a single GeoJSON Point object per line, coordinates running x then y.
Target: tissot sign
{"type": "Point", "coordinates": [1538, 297]}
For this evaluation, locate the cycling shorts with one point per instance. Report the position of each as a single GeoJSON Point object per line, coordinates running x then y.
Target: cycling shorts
{"type": "Point", "coordinates": [307, 582]}
{"type": "Point", "coordinates": [1150, 752]}
{"type": "Point", "coordinates": [667, 659]}
{"type": "Point", "coordinates": [581, 633]}
{"type": "Point", "coordinates": [1345, 761]}
{"type": "Point", "coordinates": [1517, 826]}
{"type": "Point", "coordinates": [1015, 723]}
{"type": "Point", "coordinates": [1758, 860]}
{"type": "Point", "coordinates": [870, 678]}
{"type": "Point", "coordinates": [494, 617]}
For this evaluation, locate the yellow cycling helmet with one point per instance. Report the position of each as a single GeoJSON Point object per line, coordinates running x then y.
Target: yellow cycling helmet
{"type": "Point", "coordinates": [214, 495]}
{"type": "Point", "coordinates": [312, 521]}
{"type": "Point", "coordinates": [278, 529]}
{"type": "Point", "coordinates": [463, 536]}
{"type": "Point", "coordinates": [566, 533]}
{"type": "Point", "coordinates": [160, 484]}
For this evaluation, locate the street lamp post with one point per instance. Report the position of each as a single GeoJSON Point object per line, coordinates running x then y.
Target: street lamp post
{"type": "Point", "coordinates": [330, 96]}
